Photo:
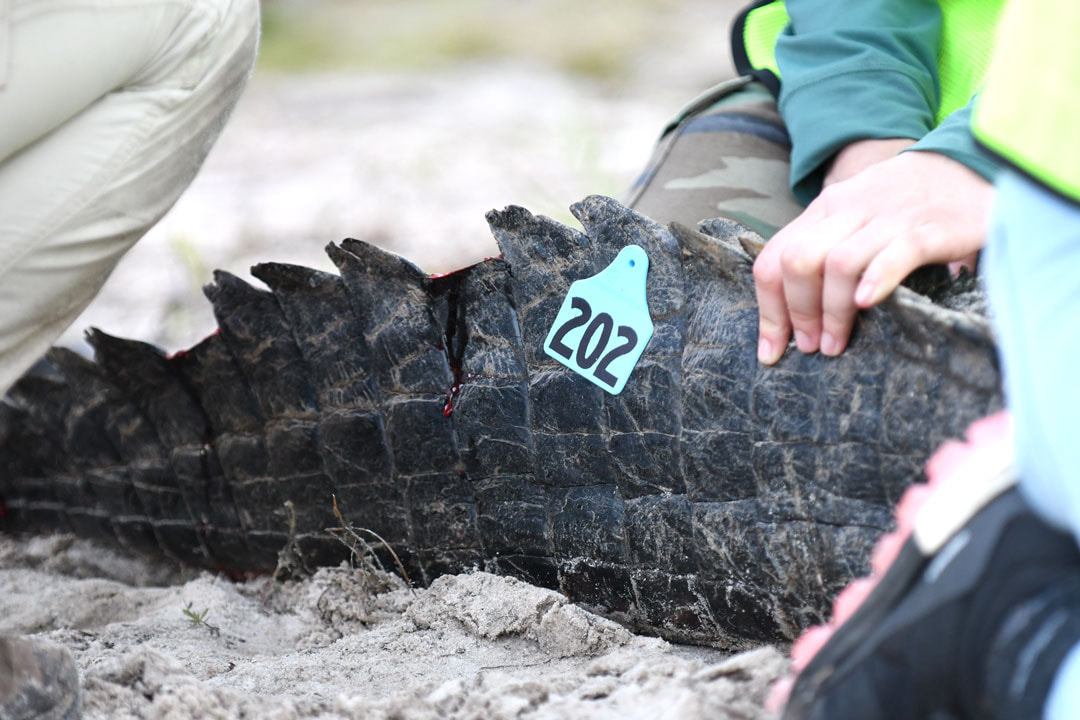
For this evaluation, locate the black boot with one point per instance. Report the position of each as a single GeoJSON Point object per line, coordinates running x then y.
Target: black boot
{"type": "Point", "coordinates": [976, 631]}
{"type": "Point", "coordinates": [970, 620]}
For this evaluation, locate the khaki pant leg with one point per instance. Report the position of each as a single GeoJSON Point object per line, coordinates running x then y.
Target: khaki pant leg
{"type": "Point", "coordinates": [108, 112]}
{"type": "Point", "coordinates": [727, 155]}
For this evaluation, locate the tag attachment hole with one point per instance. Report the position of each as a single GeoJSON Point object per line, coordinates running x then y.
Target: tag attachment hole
{"type": "Point", "coordinates": [632, 263]}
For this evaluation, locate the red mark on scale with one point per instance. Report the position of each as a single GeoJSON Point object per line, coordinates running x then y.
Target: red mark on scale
{"type": "Point", "coordinates": [438, 275]}
{"type": "Point", "coordinates": [181, 353]}
{"type": "Point", "coordinates": [452, 287]}
{"type": "Point", "coordinates": [460, 379]}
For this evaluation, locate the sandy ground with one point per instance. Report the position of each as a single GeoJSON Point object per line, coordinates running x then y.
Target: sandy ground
{"type": "Point", "coordinates": [348, 643]}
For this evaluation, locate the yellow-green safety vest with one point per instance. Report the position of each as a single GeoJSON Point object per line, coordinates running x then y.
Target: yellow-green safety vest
{"type": "Point", "coordinates": [1029, 111]}
{"type": "Point", "coordinates": [967, 41]}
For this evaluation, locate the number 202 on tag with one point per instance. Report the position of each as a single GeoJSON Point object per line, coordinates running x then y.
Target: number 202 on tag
{"type": "Point", "coordinates": [604, 325]}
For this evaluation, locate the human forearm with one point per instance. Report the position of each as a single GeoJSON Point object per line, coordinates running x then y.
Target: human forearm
{"type": "Point", "coordinates": [855, 71]}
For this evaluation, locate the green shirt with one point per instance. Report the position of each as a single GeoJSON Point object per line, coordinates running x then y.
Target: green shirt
{"type": "Point", "coordinates": [865, 69]}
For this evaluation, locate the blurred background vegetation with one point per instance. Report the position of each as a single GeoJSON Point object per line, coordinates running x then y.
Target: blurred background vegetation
{"type": "Point", "coordinates": [604, 39]}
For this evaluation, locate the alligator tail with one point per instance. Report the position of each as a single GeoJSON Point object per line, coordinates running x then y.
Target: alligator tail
{"type": "Point", "coordinates": [712, 501]}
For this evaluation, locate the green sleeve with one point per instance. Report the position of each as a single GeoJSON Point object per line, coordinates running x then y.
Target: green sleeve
{"type": "Point", "coordinates": [953, 139]}
{"type": "Point", "coordinates": [854, 70]}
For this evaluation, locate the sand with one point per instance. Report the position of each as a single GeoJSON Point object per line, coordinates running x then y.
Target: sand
{"type": "Point", "coordinates": [350, 643]}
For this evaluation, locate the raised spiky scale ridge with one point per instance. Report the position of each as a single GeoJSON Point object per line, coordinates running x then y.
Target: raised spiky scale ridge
{"type": "Point", "coordinates": [714, 500]}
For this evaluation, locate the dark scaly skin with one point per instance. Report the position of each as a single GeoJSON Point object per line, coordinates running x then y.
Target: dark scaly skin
{"type": "Point", "coordinates": [714, 501]}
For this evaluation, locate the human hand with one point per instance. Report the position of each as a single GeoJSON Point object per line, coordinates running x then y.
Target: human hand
{"type": "Point", "coordinates": [861, 154]}
{"type": "Point", "coordinates": [857, 241]}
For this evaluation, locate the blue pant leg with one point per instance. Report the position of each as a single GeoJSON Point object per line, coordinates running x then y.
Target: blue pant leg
{"type": "Point", "coordinates": [1063, 702]}
{"type": "Point", "coordinates": [1032, 265]}
{"type": "Point", "coordinates": [1033, 276]}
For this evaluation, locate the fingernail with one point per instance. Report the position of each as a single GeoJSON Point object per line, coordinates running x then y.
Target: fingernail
{"type": "Point", "coordinates": [802, 340]}
{"type": "Point", "coordinates": [764, 351]}
{"type": "Point", "coordinates": [864, 292]}
{"type": "Point", "coordinates": [829, 346]}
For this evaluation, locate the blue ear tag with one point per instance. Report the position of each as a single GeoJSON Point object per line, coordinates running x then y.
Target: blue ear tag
{"type": "Point", "coordinates": [603, 325]}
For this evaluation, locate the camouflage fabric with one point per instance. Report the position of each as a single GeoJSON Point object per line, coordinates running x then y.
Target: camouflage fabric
{"type": "Point", "coordinates": [727, 154]}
